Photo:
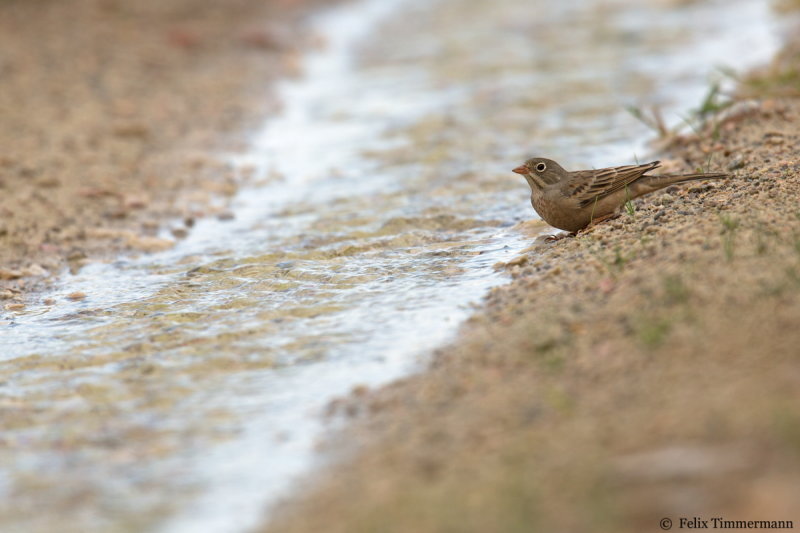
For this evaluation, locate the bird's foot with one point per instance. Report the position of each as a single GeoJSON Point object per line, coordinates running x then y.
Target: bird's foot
{"type": "Point", "coordinates": [558, 236]}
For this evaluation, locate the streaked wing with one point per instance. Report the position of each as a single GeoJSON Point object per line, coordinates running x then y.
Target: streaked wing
{"type": "Point", "coordinates": [588, 186]}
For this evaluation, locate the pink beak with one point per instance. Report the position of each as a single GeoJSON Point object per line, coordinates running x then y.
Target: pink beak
{"type": "Point", "coordinates": [521, 170]}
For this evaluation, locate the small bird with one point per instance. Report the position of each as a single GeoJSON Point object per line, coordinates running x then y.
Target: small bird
{"type": "Point", "coordinates": [573, 200]}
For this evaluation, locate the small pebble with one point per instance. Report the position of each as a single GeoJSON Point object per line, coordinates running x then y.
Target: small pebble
{"type": "Point", "coordinates": [6, 273]}
{"type": "Point", "coordinates": [665, 199]}
{"type": "Point", "coordinates": [149, 244]}
{"type": "Point", "coordinates": [518, 261]}
{"type": "Point", "coordinates": [737, 163]}
{"type": "Point", "coordinates": [701, 188]}
{"type": "Point", "coordinates": [35, 270]}
{"type": "Point", "coordinates": [134, 201]}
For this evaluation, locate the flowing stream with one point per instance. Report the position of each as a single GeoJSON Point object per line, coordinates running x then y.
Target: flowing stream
{"type": "Point", "coordinates": [185, 393]}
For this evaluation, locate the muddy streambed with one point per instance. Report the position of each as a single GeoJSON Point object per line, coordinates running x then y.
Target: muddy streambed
{"type": "Point", "coordinates": [185, 392]}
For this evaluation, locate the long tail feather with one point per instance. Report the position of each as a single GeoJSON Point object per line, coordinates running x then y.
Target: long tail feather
{"type": "Point", "coordinates": [647, 183]}
{"type": "Point", "coordinates": [700, 176]}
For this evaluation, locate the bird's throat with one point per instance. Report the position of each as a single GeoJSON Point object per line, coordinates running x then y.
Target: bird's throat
{"type": "Point", "coordinates": [536, 182]}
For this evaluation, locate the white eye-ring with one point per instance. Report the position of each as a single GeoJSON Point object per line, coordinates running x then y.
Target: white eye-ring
{"type": "Point", "coordinates": [541, 167]}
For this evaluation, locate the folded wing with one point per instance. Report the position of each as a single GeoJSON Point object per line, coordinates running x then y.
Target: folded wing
{"type": "Point", "coordinates": [589, 186]}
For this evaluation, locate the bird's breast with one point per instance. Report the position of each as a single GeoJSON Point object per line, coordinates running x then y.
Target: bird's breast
{"type": "Point", "coordinates": [559, 212]}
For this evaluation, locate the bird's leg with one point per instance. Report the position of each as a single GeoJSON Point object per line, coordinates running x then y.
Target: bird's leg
{"type": "Point", "coordinates": [603, 218]}
{"type": "Point", "coordinates": [596, 221]}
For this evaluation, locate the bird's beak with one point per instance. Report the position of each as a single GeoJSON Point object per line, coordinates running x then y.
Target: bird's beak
{"type": "Point", "coordinates": [521, 170]}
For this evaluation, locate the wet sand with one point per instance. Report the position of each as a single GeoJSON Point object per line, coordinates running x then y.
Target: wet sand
{"type": "Point", "coordinates": [647, 369]}
{"type": "Point", "coordinates": [114, 116]}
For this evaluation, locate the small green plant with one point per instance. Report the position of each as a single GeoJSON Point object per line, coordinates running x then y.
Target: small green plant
{"type": "Point", "coordinates": [653, 331]}
{"type": "Point", "coordinates": [786, 423]}
{"type": "Point", "coordinates": [692, 123]}
{"type": "Point", "coordinates": [778, 288]}
{"type": "Point", "coordinates": [763, 236]}
{"type": "Point", "coordinates": [705, 168]}
{"type": "Point", "coordinates": [729, 227]}
{"type": "Point", "coordinates": [781, 79]}
{"type": "Point", "coordinates": [653, 120]}
{"type": "Point", "coordinates": [715, 133]}
{"type": "Point", "coordinates": [730, 73]}
{"type": "Point", "coordinates": [712, 104]}
{"type": "Point", "coordinates": [761, 244]}
{"type": "Point", "coordinates": [728, 222]}
{"type": "Point", "coordinates": [550, 350]}
{"type": "Point", "coordinates": [619, 259]}
{"type": "Point", "coordinates": [614, 264]}
{"type": "Point", "coordinates": [697, 119]}
{"type": "Point", "coordinates": [594, 206]}
{"type": "Point", "coordinates": [675, 290]}
{"type": "Point", "coordinates": [708, 162]}
{"type": "Point", "coordinates": [629, 207]}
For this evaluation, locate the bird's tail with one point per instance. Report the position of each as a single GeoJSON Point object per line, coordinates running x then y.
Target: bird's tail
{"type": "Point", "coordinates": [693, 177]}
{"type": "Point", "coordinates": [647, 184]}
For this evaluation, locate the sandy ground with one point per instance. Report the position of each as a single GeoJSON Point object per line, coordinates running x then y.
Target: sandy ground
{"type": "Point", "coordinates": [645, 370]}
{"type": "Point", "coordinates": [114, 116]}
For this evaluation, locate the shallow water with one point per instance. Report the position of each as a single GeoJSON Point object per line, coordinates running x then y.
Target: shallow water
{"type": "Point", "coordinates": [184, 393]}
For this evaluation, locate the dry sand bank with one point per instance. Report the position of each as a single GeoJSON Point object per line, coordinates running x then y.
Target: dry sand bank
{"type": "Point", "coordinates": [647, 369]}
{"type": "Point", "coordinates": [112, 113]}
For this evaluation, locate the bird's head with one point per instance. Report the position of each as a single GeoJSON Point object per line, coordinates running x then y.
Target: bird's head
{"type": "Point", "coordinates": [539, 172]}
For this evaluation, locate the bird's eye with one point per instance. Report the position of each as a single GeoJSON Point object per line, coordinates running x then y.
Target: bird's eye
{"type": "Point", "coordinates": [541, 167]}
